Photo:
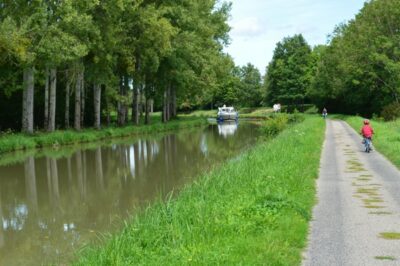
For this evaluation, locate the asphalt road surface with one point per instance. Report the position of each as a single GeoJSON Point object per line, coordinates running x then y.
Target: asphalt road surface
{"type": "Point", "coordinates": [357, 218]}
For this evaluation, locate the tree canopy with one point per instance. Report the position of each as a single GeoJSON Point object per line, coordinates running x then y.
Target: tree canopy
{"type": "Point", "coordinates": [115, 56]}
{"type": "Point", "coordinates": [289, 73]}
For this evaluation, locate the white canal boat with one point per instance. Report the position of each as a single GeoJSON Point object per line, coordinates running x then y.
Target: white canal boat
{"type": "Point", "coordinates": [227, 114]}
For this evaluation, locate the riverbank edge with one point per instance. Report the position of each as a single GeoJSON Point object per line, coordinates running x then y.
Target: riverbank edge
{"type": "Point", "coordinates": [245, 211]}
{"type": "Point", "coordinates": [18, 142]}
{"type": "Point", "coordinates": [386, 138]}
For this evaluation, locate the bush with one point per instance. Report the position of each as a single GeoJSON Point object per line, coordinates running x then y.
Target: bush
{"type": "Point", "coordinates": [391, 112]}
{"type": "Point", "coordinates": [312, 110]}
{"type": "Point", "coordinates": [247, 110]}
{"type": "Point", "coordinates": [275, 125]}
{"type": "Point", "coordinates": [296, 117]}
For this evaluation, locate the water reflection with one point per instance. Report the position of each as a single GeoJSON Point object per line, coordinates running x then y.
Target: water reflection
{"type": "Point", "coordinates": [50, 206]}
{"type": "Point", "coordinates": [227, 128]}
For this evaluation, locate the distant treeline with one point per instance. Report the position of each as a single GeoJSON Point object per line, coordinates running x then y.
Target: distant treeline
{"type": "Point", "coordinates": [357, 72]}
{"type": "Point", "coordinates": [76, 63]}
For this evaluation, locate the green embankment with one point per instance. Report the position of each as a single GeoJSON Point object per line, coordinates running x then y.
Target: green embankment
{"type": "Point", "coordinates": [254, 210]}
{"type": "Point", "coordinates": [386, 138]}
{"type": "Point", "coordinates": [14, 142]}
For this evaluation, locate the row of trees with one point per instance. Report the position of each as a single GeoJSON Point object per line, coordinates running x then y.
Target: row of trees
{"type": "Point", "coordinates": [77, 61]}
{"type": "Point", "coordinates": [358, 71]}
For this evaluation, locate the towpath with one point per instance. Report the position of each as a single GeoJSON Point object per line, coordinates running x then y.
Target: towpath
{"type": "Point", "coordinates": [357, 218]}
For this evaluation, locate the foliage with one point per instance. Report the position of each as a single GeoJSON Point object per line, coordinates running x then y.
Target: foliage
{"type": "Point", "coordinates": [359, 70]}
{"type": "Point", "coordinates": [149, 45]}
{"type": "Point", "coordinates": [275, 125]}
{"type": "Point", "coordinates": [254, 210]}
{"type": "Point", "coordinates": [289, 73]}
{"type": "Point", "coordinates": [391, 112]}
{"type": "Point", "coordinates": [278, 122]}
{"type": "Point", "coordinates": [312, 110]}
{"type": "Point", "coordinates": [250, 87]}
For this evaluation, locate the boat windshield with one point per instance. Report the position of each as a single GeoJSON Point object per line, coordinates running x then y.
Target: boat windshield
{"type": "Point", "coordinates": [228, 110]}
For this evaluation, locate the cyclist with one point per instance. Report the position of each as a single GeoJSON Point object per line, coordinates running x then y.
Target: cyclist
{"type": "Point", "coordinates": [367, 131]}
{"type": "Point", "coordinates": [324, 112]}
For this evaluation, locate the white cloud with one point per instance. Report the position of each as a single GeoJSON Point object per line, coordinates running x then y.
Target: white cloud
{"type": "Point", "coordinates": [248, 27]}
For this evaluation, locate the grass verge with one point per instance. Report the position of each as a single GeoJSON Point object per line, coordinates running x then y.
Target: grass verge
{"type": "Point", "coordinates": [15, 142]}
{"type": "Point", "coordinates": [254, 210]}
{"type": "Point", "coordinates": [386, 138]}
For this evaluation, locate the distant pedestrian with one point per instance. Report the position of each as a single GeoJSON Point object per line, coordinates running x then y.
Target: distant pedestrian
{"type": "Point", "coordinates": [277, 107]}
{"type": "Point", "coordinates": [324, 113]}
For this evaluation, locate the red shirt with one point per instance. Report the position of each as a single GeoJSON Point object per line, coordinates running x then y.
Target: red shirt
{"type": "Point", "coordinates": [367, 131]}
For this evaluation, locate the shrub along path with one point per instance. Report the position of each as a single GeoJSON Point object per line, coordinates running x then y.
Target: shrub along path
{"type": "Point", "coordinates": [356, 221]}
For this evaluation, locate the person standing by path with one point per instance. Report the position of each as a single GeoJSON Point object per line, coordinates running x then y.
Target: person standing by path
{"type": "Point", "coordinates": [357, 218]}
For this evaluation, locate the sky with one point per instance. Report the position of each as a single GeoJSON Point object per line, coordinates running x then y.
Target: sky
{"type": "Point", "coordinates": [258, 25]}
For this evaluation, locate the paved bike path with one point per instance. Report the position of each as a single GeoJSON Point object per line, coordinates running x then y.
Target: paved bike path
{"type": "Point", "coordinates": [358, 199]}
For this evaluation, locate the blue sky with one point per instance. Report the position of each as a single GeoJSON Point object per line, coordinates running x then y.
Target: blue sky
{"type": "Point", "coordinates": [257, 25]}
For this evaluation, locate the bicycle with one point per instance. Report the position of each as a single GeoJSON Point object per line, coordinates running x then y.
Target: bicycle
{"type": "Point", "coordinates": [367, 143]}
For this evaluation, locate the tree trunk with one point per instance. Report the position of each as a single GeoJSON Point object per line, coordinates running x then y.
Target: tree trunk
{"type": "Point", "coordinates": [46, 99]}
{"type": "Point", "coordinates": [173, 103]}
{"type": "Point", "coordinates": [121, 111]}
{"type": "Point", "coordinates": [142, 104]}
{"type": "Point", "coordinates": [135, 106]}
{"type": "Point", "coordinates": [147, 111]}
{"type": "Point", "coordinates": [28, 100]}
{"type": "Point", "coordinates": [151, 106]}
{"type": "Point", "coordinates": [78, 102]}
{"type": "Point", "coordinates": [165, 108]}
{"type": "Point", "coordinates": [67, 92]}
{"type": "Point", "coordinates": [83, 102]}
{"type": "Point", "coordinates": [97, 105]}
{"type": "Point", "coordinates": [52, 103]}
{"type": "Point", "coordinates": [168, 103]}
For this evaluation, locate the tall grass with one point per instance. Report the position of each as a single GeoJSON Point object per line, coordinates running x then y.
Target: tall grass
{"type": "Point", "coordinates": [13, 142]}
{"type": "Point", "coordinates": [386, 138]}
{"type": "Point", "coordinates": [254, 210]}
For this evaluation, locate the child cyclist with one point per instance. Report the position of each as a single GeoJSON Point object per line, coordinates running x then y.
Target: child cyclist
{"type": "Point", "coordinates": [367, 131]}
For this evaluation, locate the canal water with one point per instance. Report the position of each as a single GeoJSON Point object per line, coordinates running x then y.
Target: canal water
{"type": "Point", "coordinates": [52, 203]}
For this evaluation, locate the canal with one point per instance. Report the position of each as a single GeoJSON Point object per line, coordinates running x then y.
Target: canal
{"type": "Point", "coordinates": [52, 204]}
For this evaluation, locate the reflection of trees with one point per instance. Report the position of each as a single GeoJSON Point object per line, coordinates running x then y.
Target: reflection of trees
{"type": "Point", "coordinates": [30, 183]}
{"type": "Point", "coordinates": [2, 238]}
{"type": "Point", "coordinates": [99, 169]}
{"type": "Point", "coordinates": [79, 173]}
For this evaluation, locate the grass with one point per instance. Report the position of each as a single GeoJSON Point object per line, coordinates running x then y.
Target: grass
{"type": "Point", "coordinates": [253, 210]}
{"type": "Point", "coordinates": [386, 138]}
{"type": "Point", "coordinates": [390, 235]}
{"type": "Point", "coordinates": [385, 258]}
{"type": "Point", "coordinates": [202, 113]}
{"type": "Point", "coordinates": [14, 142]}
{"type": "Point", "coordinates": [260, 112]}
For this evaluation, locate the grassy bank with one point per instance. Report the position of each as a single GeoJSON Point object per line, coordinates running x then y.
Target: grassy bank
{"type": "Point", "coordinates": [14, 142]}
{"type": "Point", "coordinates": [254, 210]}
{"type": "Point", "coordinates": [386, 138]}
